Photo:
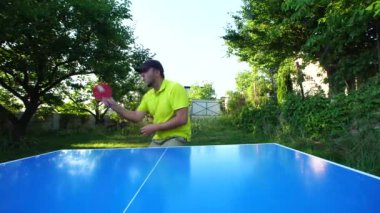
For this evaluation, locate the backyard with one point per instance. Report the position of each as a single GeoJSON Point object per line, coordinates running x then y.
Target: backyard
{"type": "Point", "coordinates": [211, 131]}
{"type": "Point", "coordinates": [207, 131]}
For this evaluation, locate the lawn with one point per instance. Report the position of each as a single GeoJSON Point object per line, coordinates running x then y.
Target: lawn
{"type": "Point", "coordinates": [205, 132]}
{"type": "Point", "coordinates": [215, 131]}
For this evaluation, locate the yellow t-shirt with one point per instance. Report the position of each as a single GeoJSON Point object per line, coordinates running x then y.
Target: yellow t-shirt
{"type": "Point", "coordinates": [162, 106]}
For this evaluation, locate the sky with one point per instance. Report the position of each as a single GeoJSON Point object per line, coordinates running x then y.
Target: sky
{"type": "Point", "coordinates": [186, 38]}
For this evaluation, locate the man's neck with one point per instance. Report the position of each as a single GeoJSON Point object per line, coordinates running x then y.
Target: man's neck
{"type": "Point", "coordinates": [156, 86]}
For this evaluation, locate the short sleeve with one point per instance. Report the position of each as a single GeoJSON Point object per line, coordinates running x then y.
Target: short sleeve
{"type": "Point", "coordinates": [143, 107]}
{"type": "Point", "coordinates": [179, 98]}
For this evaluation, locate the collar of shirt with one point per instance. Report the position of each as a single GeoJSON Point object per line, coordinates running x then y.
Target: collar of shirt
{"type": "Point", "coordinates": [162, 87]}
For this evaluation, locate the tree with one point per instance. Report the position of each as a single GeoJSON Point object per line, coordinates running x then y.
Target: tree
{"type": "Point", "coordinates": [256, 85]}
{"type": "Point", "coordinates": [235, 102]}
{"type": "Point", "coordinates": [243, 81]}
{"type": "Point", "coordinates": [284, 79]}
{"type": "Point", "coordinates": [43, 43]}
{"type": "Point", "coordinates": [77, 92]}
{"type": "Point", "coordinates": [261, 37]}
{"type": "Point", "coordinates": [80, 100]}
{"type": "Point", "coordinates": [202, 92]}
{"type": "Point", "coordinates": [342, 35]}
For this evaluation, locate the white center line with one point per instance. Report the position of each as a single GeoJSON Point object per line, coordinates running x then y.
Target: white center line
{"type": "Point", "coordinates": [147, 177]}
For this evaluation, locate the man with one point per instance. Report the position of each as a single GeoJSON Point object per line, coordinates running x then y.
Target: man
{"type": "Point", "coordinates": [166, 102]}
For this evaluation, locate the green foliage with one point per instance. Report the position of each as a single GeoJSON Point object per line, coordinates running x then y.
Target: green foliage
{"type": "Point", "coordinates": [218, 130]}
{"type": "Point", "coordinates": [243, 81]}
{"type": "Point", "coordinates": [256, 86]}
{"type": "Point", "coordinates": [306, 117]}
{"type": "Point", "coordinates": [55, 40]}
{"type": "Point", "coordinates": [343, 128]}
{"type": "Point", "coordinates": [71, 121]}
{"type": "Point", "coordinates": [235, 102]}
{"type": "Point", "coordinates": [262, 122]}
{"type": "Point", "coordinates": [341, 35]}
{"type": "Point", "coordinates": [325, 119]}
{"type": "Point", "coordinates": [374, 8]}
{"type": "Point", "coordinates": [284, 81]}
{"type": "Point", "coordinates": [10, 101]}
{"type": "Point", "coordinates": [206, 91]}
{"type": "Point", "coordinates": [259, 35]}
{"type": "Point", "coordinates": [79, 99]}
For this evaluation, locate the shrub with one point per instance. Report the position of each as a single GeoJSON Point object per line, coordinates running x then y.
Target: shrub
{"type": "Point", "coordinates": [344, 128]}
{"type": "Point", "coordinates": [261, 121]}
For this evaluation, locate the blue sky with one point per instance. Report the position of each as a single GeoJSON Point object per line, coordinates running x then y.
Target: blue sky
{"type": "Point", "coordinates": [186, 37]}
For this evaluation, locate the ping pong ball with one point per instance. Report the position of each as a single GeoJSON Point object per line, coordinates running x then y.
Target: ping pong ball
{"type": "Point", "coordinates": [100, 88]}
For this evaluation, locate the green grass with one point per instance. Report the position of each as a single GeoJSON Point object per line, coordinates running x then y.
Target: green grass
{"type": "Point", "coordinates": [216, 131]}
{"type": "Point", "coordinates": [80, 139]}
{"type": "Point", "coordinates": [205, 132]}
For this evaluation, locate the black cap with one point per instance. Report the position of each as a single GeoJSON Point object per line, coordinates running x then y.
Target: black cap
{"type": "Point", "coordinates": [151, 64]}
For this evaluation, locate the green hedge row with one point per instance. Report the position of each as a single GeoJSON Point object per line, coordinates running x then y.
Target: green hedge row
{"type": "Point", "coordinates": [343, 128]}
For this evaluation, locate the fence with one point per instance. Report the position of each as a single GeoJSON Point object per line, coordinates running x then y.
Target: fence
{"type": "Point", "coordinates": [205, 108]}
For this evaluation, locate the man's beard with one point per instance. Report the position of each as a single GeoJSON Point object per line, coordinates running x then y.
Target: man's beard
{"type": "Point", "coordinates": [149, 83]}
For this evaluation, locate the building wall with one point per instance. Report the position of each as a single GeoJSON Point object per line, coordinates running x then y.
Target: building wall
{"type": "Point", "coordinates": [314, 79]}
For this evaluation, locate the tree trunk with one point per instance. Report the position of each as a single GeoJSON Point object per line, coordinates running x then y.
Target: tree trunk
{"type": "Point", "coordinates": [330, 82]}
{"type": "Point", "coordinates": [273, 71]}
{"type": "Point", "coordinates": [288, 84]}
{"type": "Point", "coordinates": [99, 120]}
{"type": "Point", "coordinates": [19, 126]}
{"type": "Point", "coordinates": [300, 79]}
{"type": "Point", "coordinates": [336, 84]}
{"type": "Point", "coordinates": [99, 116]}
{"type": "Point", "coordinates": [351, 85]}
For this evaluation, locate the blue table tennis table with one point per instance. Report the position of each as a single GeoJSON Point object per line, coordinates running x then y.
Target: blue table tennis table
{"type": "Point", "coordinates": [223, 178]}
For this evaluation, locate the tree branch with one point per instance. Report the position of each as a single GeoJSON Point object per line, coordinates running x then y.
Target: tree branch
{"type": "Point", "coordinates": [11, 73]}
{"type": "Point", "coordinates": [59, 80]}
{"type": "Point", "coordinates": [87, 110]}
{"type": "Point", "coordinates": [10, 89]}
{"type": "Point", "coordinates": [105, 111]}
{"type": "Point", "coordinates": [57, 65]}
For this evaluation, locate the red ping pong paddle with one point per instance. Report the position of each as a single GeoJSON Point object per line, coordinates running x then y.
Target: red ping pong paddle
{"type": "Point", "coordinates": [102, 90]}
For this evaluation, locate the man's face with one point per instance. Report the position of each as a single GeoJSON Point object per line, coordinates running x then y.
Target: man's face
{"type": "Point", "coordinates": [149, 76]}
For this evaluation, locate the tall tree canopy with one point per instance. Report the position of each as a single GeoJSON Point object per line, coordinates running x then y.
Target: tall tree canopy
{"type": "Point", "coordinates": [342, 35]}
{"type": "Point", "coordinates": [43, 43]}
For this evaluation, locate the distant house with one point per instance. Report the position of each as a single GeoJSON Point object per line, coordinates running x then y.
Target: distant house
{"type": "Point", "coordinates": [314, 77]}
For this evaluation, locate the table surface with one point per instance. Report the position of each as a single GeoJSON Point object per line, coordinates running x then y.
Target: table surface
{"type": "Point", "coordinates": [222, 178]}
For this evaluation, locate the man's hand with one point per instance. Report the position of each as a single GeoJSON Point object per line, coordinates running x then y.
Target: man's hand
{"type": "Point", "coordinates": [149, 129]}
{"type": "Point", "coordinates": [108, 101]}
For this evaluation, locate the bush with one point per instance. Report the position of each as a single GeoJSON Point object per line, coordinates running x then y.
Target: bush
{"type": "Point", "coordinates": [306, 117]}
{"type": "Point", "coordinates": [262, 121]}
{"type": "Point", "coordinates": [344, 128]}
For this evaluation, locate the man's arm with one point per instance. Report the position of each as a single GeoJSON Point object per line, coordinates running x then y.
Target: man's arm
{"type": "Point", "coordinates": [134, 116]}
{"type": "Point", "coordinates": [179, 119]}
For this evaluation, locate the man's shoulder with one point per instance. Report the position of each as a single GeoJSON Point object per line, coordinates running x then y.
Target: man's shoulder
{"type": "Point", "coordinates": [173, 84]}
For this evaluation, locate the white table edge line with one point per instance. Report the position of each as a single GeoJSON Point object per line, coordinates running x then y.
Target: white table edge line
{"type": "Point", "coordinates": [143, 183]}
